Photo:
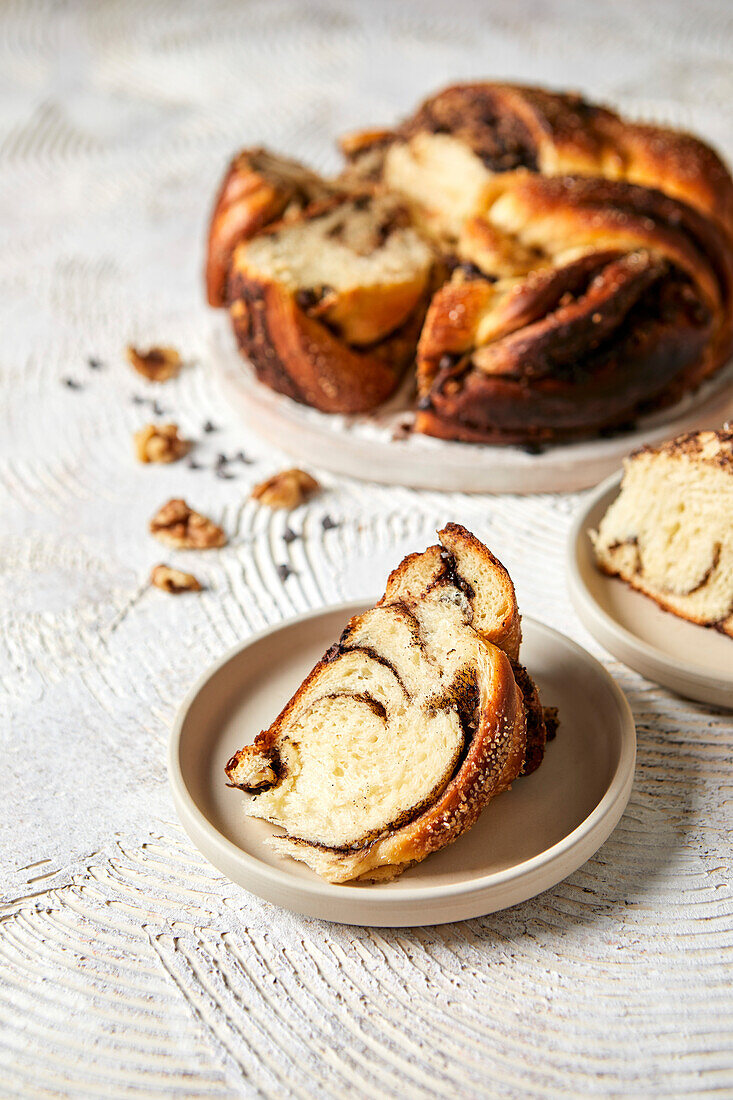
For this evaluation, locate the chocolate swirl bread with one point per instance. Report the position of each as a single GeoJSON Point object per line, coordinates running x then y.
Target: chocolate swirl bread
{"type": "Point", "coordinates": [669, 533]}
{"type": "Point", "coordinates": [328, 305]}
{"type": "Point", "coordinates": [589, 264]}
{"type": "Point", "coordinates": [587, 302]}
{"type": "Point", "coordinates": [258, 189]}
{"type": "Point", "coordinates": [409, 725]}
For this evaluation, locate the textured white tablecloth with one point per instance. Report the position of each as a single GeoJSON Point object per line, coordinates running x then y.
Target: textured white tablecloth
{"type": "Point", "coordinates": [128, 966]}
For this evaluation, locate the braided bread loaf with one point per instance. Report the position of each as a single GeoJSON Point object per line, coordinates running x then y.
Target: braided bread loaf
{"type": "Point", "coordinates": [589, 259]}
{"type": "Point", "coordinates": [410, 724]}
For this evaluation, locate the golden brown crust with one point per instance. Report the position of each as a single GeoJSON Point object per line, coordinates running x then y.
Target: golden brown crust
{"type": "Point", "coordinates": [577, 346]}
{"type": "Point", "coordinates": [341, 351]}
{"type": "Point", "coordinates": [494, 759]}
{"type": "Point", "coordinates": [362, 141]}
{"type": "Point", "coordinates": [702, 460]}
{"type": "Point", "coordinates": [679, 165]}
{"type": "Point", "coordinates": [713, 448]}
{"type": "Point", "coordinates": [301, 357]}
{"type": "Point", "coordinates": [594, 279]}
{"type": "Point", "coordinates": [505, 724]}
{"type": "Point", "coordinates": [460, 544]}
{"type": "Point", "coordinates": [723, 626]}
{"type": "Point", "coordinates": [257, 189]}
{"type": "Point", "coordinates": [511, 126]}
{"type": "Point", "coordinates": [442, 564]}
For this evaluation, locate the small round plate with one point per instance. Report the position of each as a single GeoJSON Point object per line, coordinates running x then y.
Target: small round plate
{"type": "Point", "coordinates": [526, 840]}
{"type": "Point", "coordinates": [378, 446]}
{"type": "Point", "coordinates": [692, 660]}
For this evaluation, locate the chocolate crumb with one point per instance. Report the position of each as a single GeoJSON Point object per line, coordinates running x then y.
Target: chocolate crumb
{"type": "Point", "coordinates": [240, 456]}
{"type": "Point", "coordinates": [71, 383]}
{"type": "Point", "coordinates": [551, 721]}
{"type": "Point", "coordinates": [472, 271]}
{"type": "Point", "coordinates": [306, 299]}
{"type": "Point", "coordinates": [284, 571]}
{"type": "Point", "coordinates": [227, 474]}
{"type": "Point", "coordinates": [328, 524]}
{"type": "Point", "coordinates": [209, 427]}
{"type": "Point", "coordinates": [94, 364]}
{"type": "Point", "coordinates": [533, 449]}
{"type": "Point", "coordinates": [193, 464]}
{"type": "Point", "coordinates": [157, 409]}
{"type": "Point", "coordinates": [138, 400]}
{"type": "Point", "coordinates": [289, 535]}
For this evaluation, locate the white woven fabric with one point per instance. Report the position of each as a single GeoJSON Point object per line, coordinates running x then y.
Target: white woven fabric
{"type": "Point", "coordinates": [128, 967]}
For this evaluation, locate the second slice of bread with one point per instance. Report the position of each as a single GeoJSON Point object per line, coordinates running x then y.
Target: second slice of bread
{"type": "Point", "coordinates": [669, 532]}
{"type": "Point", "coordinates": [409, 725]}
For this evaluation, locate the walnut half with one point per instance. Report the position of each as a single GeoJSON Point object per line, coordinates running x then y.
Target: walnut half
{"type": "Point", "coordinates": [160, 443]}
{"type": "Point", "coordinates": [156, 364]}
{"type": "Point", "coordinates": [174, 580]}
{"type": "Point", "coordinates": [287, 489]}
{"type": "Point", "coordinates": [178, 525]}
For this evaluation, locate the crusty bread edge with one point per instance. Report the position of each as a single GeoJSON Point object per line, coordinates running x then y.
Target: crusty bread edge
{"type": "Point", "coordinates": [723, 626]}
{"type": "Point", "coordinates": [494, 759]}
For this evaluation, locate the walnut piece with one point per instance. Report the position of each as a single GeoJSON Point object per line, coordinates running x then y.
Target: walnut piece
{"type": "Point", "coordinates": [174, 580]}
{"type": "Point", "coordinates": [177, 525]}
{"type": "Point", "coordinates": [156, 364]}
{"type": "Point", "coordinates": [160, 443]}
{"type": "Point", "coordinates": [287, 489]}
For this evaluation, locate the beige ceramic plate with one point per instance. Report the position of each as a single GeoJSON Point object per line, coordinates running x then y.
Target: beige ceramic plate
{"type": "Point", "coordinates": [691, 660]}
{"type": "Point", "coordinates": [373, 445]}
{"type": "Point", "coordinates": [526, 840]}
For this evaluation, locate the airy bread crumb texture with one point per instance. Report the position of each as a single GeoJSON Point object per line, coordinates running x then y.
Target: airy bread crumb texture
{"type": "Point", "coordinates": [406, 728]}
{"type": "Point", "coordinates": [669, 533]}
{"type": "Point", "coordinates": [355, 265]}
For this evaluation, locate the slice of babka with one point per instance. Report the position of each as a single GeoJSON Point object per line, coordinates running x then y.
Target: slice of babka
{"type": "Point", "coordinates": [259, 188]}
{"type": "Point", "coordinates": [328, 305]}
{"type": "Point", "coordinates": [408, 726]}
{"type": "Point", "coordinates": [669, 532]}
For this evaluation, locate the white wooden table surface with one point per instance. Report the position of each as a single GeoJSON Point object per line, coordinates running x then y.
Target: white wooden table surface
{"type": "Point", "coordinates": [128, 966]}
